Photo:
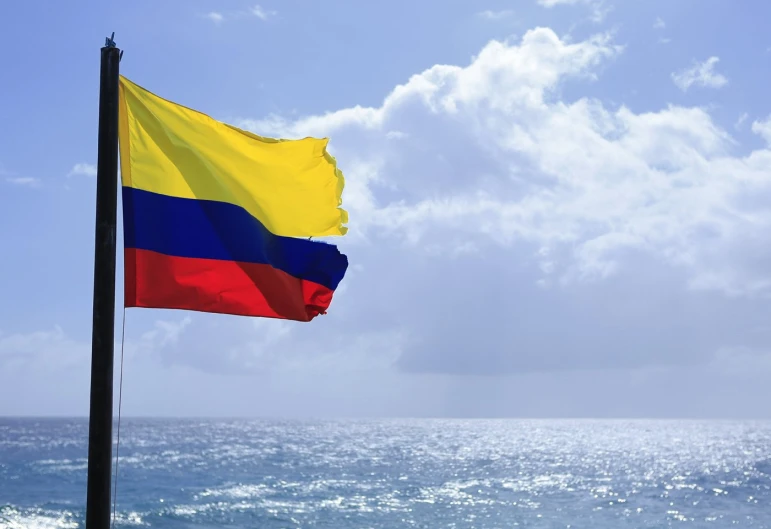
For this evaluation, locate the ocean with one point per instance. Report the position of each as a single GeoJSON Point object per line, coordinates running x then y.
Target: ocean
{"type": "Point", "coordinates": [396, 473]}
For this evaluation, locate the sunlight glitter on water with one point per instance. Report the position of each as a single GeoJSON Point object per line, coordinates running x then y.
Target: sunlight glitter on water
{"type": "Point", "coordinates": [379, 474]}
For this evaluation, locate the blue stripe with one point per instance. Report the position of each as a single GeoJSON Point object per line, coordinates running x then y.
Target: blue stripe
{"type": "Point", "coordinates": [205, 229]}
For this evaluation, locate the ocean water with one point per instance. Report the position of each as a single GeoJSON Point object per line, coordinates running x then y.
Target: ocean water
{"type": "Point", "coordinates": [396, 473]}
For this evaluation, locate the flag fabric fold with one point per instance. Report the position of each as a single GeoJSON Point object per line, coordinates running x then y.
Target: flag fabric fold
{"type": "Point", "coordinates": [213, 215]}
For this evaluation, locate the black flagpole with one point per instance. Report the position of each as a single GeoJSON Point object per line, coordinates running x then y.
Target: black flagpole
{"type": "Point", "coordinates": [103, 334]}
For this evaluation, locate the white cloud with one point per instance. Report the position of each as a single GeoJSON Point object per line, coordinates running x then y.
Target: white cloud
{"type": "Point", "coordinates": [552, 3]}
{"type": "Point", "coordinates": [564, 175]}
{"type": "Point", "coordinates": [599, 8]}
{"type": "Point", "coordinates": [763, 129]}
{"type": "Point", "coordinates": [54, 349]}
{"type": "Point", "coordinates": [272, 347]}
{"type": "Point", "coordinates": [164, 333]}
{"type": "Point", "coordinates": [215, 17]}
{"type": "Point", "coordinates": [659, 25]}
{"type": "Point", "coordinates": [496, 15]}
{"type": "Point", "coordinates": [700, 74]}
{"type": "Point", "coordinates": [740, 121]}
{"type": "Point", "coordinates": [83, 169]}
{"type": "Point", "coordinates": [26, 181]}
{"type": "Point", "coordinates": [258, 11]}
{"type": "Point", "coordinates": [262, 13]}
{"type": "Point", "coordinates": [396, 135]}
{"type": "Point", "coordinates": [13, 179]}
{"type": "Point", "coordinates": [46, 350]}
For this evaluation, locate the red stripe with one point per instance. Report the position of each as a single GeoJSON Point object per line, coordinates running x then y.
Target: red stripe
{"type": "Point", "coordinates": [155, 280]}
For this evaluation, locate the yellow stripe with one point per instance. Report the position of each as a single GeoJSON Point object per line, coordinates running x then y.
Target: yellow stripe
{"type": "Point", "coordinates": [292, 186]}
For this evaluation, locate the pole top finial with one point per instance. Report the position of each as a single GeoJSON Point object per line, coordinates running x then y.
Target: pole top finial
{"type": "Point", "coordinates": [109, 42]}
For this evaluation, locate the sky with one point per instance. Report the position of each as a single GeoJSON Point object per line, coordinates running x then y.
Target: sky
{"type": "Point", "coordinates": [558, 208]}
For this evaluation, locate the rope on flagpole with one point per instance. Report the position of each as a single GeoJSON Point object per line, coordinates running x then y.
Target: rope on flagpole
{"type": "Point", "coordinates": [120, 405]}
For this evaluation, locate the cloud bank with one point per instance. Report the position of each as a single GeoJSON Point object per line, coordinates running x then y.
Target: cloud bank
{"type": "Point", "coordinates": [501, 229]}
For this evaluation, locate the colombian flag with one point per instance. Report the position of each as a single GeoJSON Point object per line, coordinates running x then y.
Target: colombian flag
{"type": "Point", "coordinates": [213, 215]}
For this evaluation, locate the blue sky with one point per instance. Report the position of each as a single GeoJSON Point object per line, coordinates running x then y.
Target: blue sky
{"type": "Point", "coordinates": [558, 207]}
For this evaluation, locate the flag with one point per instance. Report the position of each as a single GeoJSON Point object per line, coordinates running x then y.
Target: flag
{"type": "Point", "coordinates": [212, 214]}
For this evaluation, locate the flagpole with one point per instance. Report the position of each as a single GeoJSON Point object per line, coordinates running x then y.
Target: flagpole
{"type": "Point", "coordinates": [103, 332]}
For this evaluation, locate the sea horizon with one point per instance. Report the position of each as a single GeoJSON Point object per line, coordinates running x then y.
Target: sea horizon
{"type": "Point", "coordinates": [388, 418]}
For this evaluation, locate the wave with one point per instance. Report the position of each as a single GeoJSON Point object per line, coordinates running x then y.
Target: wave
{"type": "Point", "coordinates": [16, 518]}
